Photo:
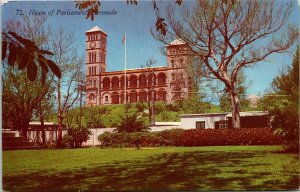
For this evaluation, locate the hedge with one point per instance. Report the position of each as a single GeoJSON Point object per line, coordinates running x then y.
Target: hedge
{"type": "Point", "coordinates": [193, 137]}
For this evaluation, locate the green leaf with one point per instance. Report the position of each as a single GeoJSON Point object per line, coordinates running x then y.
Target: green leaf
{"type": "Point", "coordinates": [4, 49]}
{"type": "Point", "coordinates": [31, 70]}
{"type": "Point", "coordinates": [12, 56]}
{"type": "Point", "coordinates": [54, 68]}
{"type": "Point", "coordinates": [45, 52]}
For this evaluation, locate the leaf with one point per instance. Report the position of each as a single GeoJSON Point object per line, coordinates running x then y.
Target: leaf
{"type": "Point", "coordinates": [12, 56]}
{"type": "Point", "coordinates": [20, 55]}
{"type": "Point", "coordinates": [132, 2]}
{"type": "Point", "coordinates": [43, 78]}
{"type": "Point", "coordinates": [29, 43]}
{"type": "Point", "coordinates": [43, 63]}
{"type": "Point", "coordinates": [54, 68]}
{"type": "Point", "coordinates": [31, 70]}
{"type": "Point", "coordinates": [24, 60]}
{"type": "Point", "coordinates": [46, 52]}
{"type": "Point", "coordinates": [179, 2]}
{"type": "Point", "coordinates": [161, 26]}
{"type": "Point", "coordinates": [15, 35]}
{"type": "Point", "coordinates": [4, 49]}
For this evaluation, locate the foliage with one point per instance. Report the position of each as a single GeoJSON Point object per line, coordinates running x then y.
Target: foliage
{"type": "Point", "coordinates": [25, 54]}
{"type": "Point", "coordinates": [227, 35]}
{"type": "Point", "coordinates": [140, 106]}
{"type": "Point", "coordinates": [76, 136]}
{"type": "Point", "coordinates": [92, 7]}
{"type": "Point", "coordinates": [193, 104]}
{"type": "Point", "coordinates": [170, 137]}
{"type": "Point", "coordinates": [193, 137]}
{"type": "Point", "coordinates": [23, 97]}
{"type": "Point", "coordinates": [94, 115]}
{"type": "Point", "coordinates": [131, 122]}
{"type": "Point", "coordinates": [283, 105]}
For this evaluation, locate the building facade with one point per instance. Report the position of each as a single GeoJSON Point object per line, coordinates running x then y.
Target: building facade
{"type": "Point", "coordinates": [167, 83]}
{"type": "Point", "coordinates": [252, 119]}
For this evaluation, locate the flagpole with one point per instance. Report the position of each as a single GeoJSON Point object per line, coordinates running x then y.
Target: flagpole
{"type": "Point", "coordinates": [125, 79]}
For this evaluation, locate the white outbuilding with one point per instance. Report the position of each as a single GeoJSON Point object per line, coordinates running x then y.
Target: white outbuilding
{"type": "Point", "coordinates": [252, 119]}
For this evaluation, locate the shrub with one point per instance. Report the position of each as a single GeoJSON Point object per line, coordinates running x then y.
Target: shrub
{"type": "Point", "coordinates": [193, 137]}
{"type": "Point", "coordinates": [76, 136]}
{"type": "Point", "coordinates": [131, 123]}
{"type": "Point", "coordinates": [243, 136]}
{"type": "Point", "coordinates": [170, 137]}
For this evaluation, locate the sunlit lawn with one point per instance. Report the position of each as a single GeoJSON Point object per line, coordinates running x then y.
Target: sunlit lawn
{"type": "Point", "coordinates": [163, 168]}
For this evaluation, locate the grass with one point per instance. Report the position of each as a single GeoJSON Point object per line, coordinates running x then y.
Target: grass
{"type": "Point", "coordinates": [164, 168]}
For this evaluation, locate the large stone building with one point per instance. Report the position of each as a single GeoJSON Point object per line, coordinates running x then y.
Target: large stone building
{"type": "Point", "coordinates": [167, 83]}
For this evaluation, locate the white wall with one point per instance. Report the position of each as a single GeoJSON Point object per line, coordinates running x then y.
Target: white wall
{"type": "Point", "coordinates": [95, 132]}
{"type": "Point", "coordinates": [189, 122]}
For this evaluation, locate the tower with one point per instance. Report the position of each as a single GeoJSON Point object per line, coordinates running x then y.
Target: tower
{"type": "Point", "coordinates": [177, 62]}
{"type": "Point", "coordinates": [96, 45]}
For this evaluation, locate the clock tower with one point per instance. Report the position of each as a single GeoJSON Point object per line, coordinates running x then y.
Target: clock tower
{"type": "Point", "coordinates": [96, 46]}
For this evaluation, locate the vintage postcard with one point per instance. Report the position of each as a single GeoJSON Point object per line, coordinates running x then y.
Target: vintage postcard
{"type": "Point", "coordinates": [135, 95]}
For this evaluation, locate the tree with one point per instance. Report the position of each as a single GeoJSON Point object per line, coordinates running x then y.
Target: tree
{"type": "Point", "coordinates": [93, 116]}
{"type": "Point", "coordinates": [241, 92]}
{"type": "Point", "coordinates": [283, 104]}
{"type": "Point", "coordinates": [231, 35]}
{"type": "Point", "coordinates": [21, 95]}
{"type": "Point", "coordinates": [149, 71]}
{"type": "Point", "coordinates": [70, 64]}
{"type": "Point", "coordinates": [24, 50]}
{"type": "Point", "coordinates": [131, 122]}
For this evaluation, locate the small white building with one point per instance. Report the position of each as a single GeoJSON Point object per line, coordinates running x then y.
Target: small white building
{"type": "Point", "coordinates": [204, 120]}
{"type": "Point", "coordinates": [253, 119]}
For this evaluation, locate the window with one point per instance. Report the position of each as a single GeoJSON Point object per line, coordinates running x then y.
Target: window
{"type": "Point", "coordinates": [200, 124]}
{"type": "Point", "coordinates": [172, 62]}
{"type": "Point", "coordinates": [94, 83]}
{"type": "Point", "coordinates": [173, 76]}
{"type": "Point", "coordinates": [181, 61]}
{"type": "Point", "coordinates": [106, 98]}
{"type": "Point", "coordinates": [223, 124]}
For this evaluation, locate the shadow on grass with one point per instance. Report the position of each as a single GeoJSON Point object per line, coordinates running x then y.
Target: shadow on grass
{"type": "Point", "coordinates": [171, 171]}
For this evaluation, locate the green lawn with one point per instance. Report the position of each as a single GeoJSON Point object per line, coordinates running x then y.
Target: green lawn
{"type": "Point", "coordinates": [167, 168]}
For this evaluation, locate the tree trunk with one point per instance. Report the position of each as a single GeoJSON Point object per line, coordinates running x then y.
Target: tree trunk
{"type": "Point", "coordinates": [235, 107]}
{"type": "Point", "coordinates": [59, 139]}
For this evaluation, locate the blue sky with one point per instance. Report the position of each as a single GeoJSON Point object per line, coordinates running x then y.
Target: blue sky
{"type": "Point", "coordinates": [136, 21]}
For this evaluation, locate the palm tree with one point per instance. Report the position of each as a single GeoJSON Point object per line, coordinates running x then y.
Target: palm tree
{"type": "Point", "coordinates": [131, 123]}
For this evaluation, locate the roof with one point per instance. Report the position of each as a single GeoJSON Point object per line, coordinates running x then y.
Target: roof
{"type": "Point", "coordinates": [250, 114]}
{"type": "Point", "coordinates": [227, 114]}
{"type": "Point", "coordinates": [177, 42]}
{"type": "Point", "coordinates": [95, 29]}
{"type": "Point", "coordinates": [167, 123]}
{"type": "Point", "coordinates": [132, 71]}
{"type": "Point", "coordinates": [203, 114]}
{"type": "Point", "coordinates": [39, 123]}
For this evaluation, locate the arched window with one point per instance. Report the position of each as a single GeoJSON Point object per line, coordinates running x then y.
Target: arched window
{"type": "Point", "coordinates": [143, 80]}
{"type": "Point", "coordinates": [133, 81]}
{"type": "Point", "coordinates": [115, 82]}
{"type": "Point", "coordinates": [106, 83]}
{"type": "Point", "coordinates": [161, 79]}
